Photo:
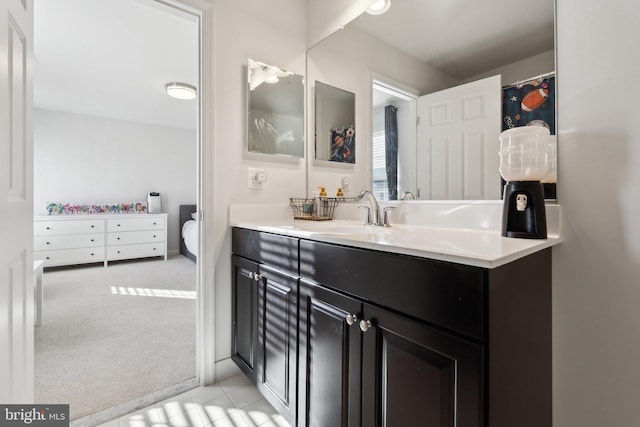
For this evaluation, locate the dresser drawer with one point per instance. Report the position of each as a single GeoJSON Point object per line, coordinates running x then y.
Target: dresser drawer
{"type": "Point", "coordinates": [134, 224]}
{"type": "Point", "coordinates": [67, 241]}
{"type": "Point", "coordinates": [135, 251]}
{"type": "Point", "coordinates": [68, 227]}
{"type": "Point", "coordinates": [132, 237]}
{"type": "Point", "coordinates": [70, 256]}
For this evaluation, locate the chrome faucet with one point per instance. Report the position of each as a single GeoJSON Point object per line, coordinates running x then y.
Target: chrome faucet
{"type": "Point", "coordinates": [374, 210]}
{"type": "Point", "coordinates": [407, 195]}
{"type": "Point", "coordinates": [374, 217]}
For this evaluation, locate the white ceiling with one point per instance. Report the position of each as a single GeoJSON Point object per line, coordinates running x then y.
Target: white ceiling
{"type": "Point", "coordinates": [113, 58]}
{"type": "Point", "coordinates": [465, 38]}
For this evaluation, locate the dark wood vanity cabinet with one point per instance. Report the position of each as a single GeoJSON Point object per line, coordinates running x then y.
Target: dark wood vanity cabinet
{"type": "Point", "coordinates": [414, 372]}
{"type": "Point", "coordinates": [244, 344]}
{"type": "Point", "coordinates": [392, 340]}
{"type": "Point", "coordinates": [387, 371]}
{"type": "Point", "coordinates": [330, 358]}
{"type": "Point", "coordinates": [410, 371]}
{"type": "Point", "coordinates": [265, 315]}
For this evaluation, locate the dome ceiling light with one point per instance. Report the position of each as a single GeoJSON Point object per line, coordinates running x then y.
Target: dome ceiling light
{"type": "Point", "coordinates": [181, 90]}
{"type": "Point", "coordinates": [379, 7]}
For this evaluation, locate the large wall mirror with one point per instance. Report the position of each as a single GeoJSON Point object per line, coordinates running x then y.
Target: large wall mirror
{"type": "Point", "coordinates": [421, 49]}
{"type": "Point", "coordinates": [275, 116]}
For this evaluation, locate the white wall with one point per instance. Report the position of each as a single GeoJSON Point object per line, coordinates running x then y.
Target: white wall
{"type": "Point", "coordinates": [272, 32]}
{"type": "Point", "coordinates": [521, 70]}
{"type": "Point", "coordinates": [324, 17]}
{"type": "Point", "coordinates": [80, 158]}
{"type": "Point", "coordinates": [596, 272]}
{"type": "Point", "coordinates": [348, 60]}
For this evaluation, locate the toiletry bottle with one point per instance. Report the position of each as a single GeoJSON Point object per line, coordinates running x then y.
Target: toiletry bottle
{"type": "Point", "coordinates": [339, 193]}
{"type": "Point", "coordinates": [316, 204]}
{"type": "Point", "coordinates": [323, 212]}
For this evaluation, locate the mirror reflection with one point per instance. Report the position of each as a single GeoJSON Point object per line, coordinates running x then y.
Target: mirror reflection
{"type": "Point", "coordinates": [335, 111]}
{"type": "Point", "coordinates": [420, 48]}
{"type": "Point", "coordinates": [275, 117]}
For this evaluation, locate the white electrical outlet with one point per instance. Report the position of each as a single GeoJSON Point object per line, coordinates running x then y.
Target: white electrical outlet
{"type": "Point", "coordinates": [257, 178]}
{"type": "Point", "coordinates": [345, 182]}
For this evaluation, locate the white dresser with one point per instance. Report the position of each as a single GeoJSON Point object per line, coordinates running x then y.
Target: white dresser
{"type": "Point", "coordinates": [80, 239]}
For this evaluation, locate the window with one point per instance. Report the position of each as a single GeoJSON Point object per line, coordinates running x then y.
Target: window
{"type": "Point", "coordinates": [379, 169]}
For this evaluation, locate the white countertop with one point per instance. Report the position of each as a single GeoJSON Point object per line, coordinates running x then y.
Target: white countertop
{"type": "Point", "coordinates": [480, 248]}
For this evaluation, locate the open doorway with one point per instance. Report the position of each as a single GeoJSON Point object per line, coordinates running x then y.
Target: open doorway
{"type": "Point", "coordinates": [393, 141]}
{"type": "Point", "coordinates": [98, 139]}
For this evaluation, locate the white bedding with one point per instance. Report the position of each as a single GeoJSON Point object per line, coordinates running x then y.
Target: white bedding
{"type": "Point", "coordinates": [190, 236]}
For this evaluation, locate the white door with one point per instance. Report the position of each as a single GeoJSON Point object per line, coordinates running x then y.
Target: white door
{"type": "Point", "coordinates": [16, 202]}
{"type": "Point", "coordinates": [458, 142]}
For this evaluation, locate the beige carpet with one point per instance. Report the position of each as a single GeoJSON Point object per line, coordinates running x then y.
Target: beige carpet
{"type": "Point", "coordinates": [114, 334]}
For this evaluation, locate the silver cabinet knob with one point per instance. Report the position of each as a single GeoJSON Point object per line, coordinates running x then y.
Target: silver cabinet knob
{"type": "Point", "coordinates": [257, 277]}
{"type": "Point", "coordinates": [365, 325]}
{"type": "Point", "coordinates": [351, 319]}
{"type": "Point", "coordinates": [251, 275]}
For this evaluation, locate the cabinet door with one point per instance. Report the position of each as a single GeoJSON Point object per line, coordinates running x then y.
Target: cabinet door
{"type": "Point", "coordinates": [329, 358]}
{"type": "Point", "coordinates": [245, 315]}
{"type": "Point", "coordinates": [413, 374]}
{"type": "Point", "coordinates": [278, 339]}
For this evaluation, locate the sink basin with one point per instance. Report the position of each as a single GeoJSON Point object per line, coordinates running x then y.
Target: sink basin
{"type": "Point", "coordinates": [331, 227]}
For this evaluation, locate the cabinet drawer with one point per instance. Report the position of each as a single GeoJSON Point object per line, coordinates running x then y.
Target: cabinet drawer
{"type": "Point", "coordinates": [135, 251]}
{"type": "Point", "coordinates": [70, 256]}
{"type": "Point", "coordinates": [72, 226]}
{"type": "Point", "coordinates": [131, 237]}
{"type": "Point", "coordinates": [445, 294]}
{"type": "Point", "coordinates": [68, 241]}
{"type": "Point", "coordinates": [278, 251]}
{"type": "Point", "coordinates": [133, 224]}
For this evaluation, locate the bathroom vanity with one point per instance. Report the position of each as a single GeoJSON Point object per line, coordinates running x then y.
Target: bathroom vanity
{"type": "Point", "coordinates": [336, 329]}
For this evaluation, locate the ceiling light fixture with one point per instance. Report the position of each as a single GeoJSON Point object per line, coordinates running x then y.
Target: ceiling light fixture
{"type": "Point", "coordinates": [181, 90]}
{"type": "Point", "coordinates": [379, 7]}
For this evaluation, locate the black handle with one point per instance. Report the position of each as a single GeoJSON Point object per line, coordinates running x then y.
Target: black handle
{"type": "Point", "coordinates": [48, 258]}
{"type": "Point", "coordinates": [92, 241]}
{"type": "Point", "coordinates": [48, 228]}
{"type": "Point", "coordinates": [92, 226]}
{"type": "Point", "coordinates": [48, 243]}
{"type": "Point", "coordinates": [118, 238]}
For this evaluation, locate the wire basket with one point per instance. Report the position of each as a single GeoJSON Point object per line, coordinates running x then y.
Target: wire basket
{"type": "Point", "coordinates": [315, 209]}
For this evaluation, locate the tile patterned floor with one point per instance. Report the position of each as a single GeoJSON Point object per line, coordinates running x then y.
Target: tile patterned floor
{"type": "Point", "coordinates": [234, 402]}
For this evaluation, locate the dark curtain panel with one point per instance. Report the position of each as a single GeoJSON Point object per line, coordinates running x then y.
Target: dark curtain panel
{"type": "Point", "coordinates": [391, 149]}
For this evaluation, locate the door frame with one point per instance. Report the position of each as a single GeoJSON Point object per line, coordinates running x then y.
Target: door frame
{"type": "Point", "coordinates": [205, 263]}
